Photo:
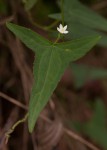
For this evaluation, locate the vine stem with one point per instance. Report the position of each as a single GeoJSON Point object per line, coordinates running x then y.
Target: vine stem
{"type": "Point", "coordinates": [62, 11]}
{"type": "Point", "coordinates": [11, 130]}
{"type": "Point", "coordinates": [46, 28]}
{"type": "Point", "coordinates": [51, 25]}
{"type": "Point", "coordinates": [57, 39]}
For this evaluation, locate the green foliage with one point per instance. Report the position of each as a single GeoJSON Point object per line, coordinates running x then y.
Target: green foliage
{"type": "Point", "coordinates": [96, 127]}
{"type": "Point", "coordinates": [50, 63]}
{"type": "Point", "coordinates": [3, 7]}
{"type": "Point", "coordinates": [83, 15]}
{"type": "Point", "coordinates": [83, 73]}
{"type": "Point", "coordinates": [29, 3]}
{"type": "Point", "coordinates": [82, 21]}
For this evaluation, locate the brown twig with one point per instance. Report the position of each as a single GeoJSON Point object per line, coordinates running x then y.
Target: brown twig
{"type": "Point", "coordinates": [13, 101]}
{"type": "Point", "coordinates": [19, 104]}
{"type": "Point", "coordinates": [19, 55]}
{"type": "Point", "coordinates": [80, 139]}
{"type": "Point", "coordinates": [68, 132]}
{"type": "Point", "coordinates": [7, 19]}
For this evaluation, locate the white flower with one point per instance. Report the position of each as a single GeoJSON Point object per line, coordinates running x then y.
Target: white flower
{"type": "Point", "coordinates": [62, 30]}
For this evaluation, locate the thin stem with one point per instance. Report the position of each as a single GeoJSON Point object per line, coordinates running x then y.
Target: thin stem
{"type": "Point", "coordinates": [62, 11]}
{"type": "Point", "coordinates": [8, 133]}
{"type": "Point", "coordinates": [57, 39]}
{"type": "Point", "coordinates": [46, 28]}
{"type": "Point", "coordinates": [51, 25]}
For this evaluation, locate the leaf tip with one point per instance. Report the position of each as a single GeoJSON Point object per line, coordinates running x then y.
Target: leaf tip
{"type": "Point", "coordinates": [97, 38]}
{"type": "Point", "coordinates": [8, 25]}
{"type": "Point", "coordinates": [31, 125]}
{"type": "Point", "coordinates": [30, 129]}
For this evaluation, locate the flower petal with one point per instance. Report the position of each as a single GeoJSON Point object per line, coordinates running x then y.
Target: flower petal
{"type": "Point", "coordinates": [65, 32]}
{"type": "Point", "coordinates": [62, 29]}
{"type": "Point", "coordinates": [58, 29]}
{"type": "Point", "coordinates": [65, 27]}
{"type": "Point", "coordinates": [60, 26]}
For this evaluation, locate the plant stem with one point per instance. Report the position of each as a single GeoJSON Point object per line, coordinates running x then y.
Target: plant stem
{"type": "Point", "coordinates": [51, 25]}
{"type": "Point", "coordinates": [8, 133]}
{"type": "Point", "coordinates": [62, 11]}
{"type": "Point", "coordinates": [46, 28]}
{"type": "Point", "coordinates": [57, 39]}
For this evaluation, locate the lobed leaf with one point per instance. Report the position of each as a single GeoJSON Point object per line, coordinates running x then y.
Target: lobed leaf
{"type": "Point", "coordinates": [30, 3]}
{"type": "Point", "coordinates": [51, 61]}
{"type": "Point", "coordinates": [30, 38]}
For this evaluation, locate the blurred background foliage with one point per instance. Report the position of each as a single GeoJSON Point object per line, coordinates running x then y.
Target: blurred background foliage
{"type": "Point", "coordinates": [80, 98]}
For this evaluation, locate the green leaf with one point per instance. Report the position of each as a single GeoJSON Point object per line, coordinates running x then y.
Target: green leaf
{"type": "Point", "coordinates": [51, 61]}
{"type": "Point", "coordinates": [31, 39]}
{"type": "Point", "coordinates": [77, 30]}
{"type": "Point", "coordinates": [82, 21]}
{"type": "Point", "coordinates": [3, 7]}
{"type": "Point", "coordinates": [29, 3]}
{"type": "Point", "coordinates": [83, 73]}
{"type": "Point", "coordinates": [82, 14]}
{"type": "Point", "coordinates": [96, 127]}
